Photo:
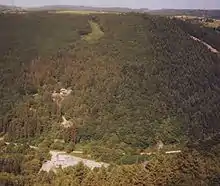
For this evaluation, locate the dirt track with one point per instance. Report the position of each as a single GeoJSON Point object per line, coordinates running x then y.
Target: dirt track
{"type": "Point", "coordinates": [65, 160]}
{"type": "Point", "coordinates": [206, 44]}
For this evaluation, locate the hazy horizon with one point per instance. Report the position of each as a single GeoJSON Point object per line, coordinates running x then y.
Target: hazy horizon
{"type": "Point", "coordinates": [150, 4]}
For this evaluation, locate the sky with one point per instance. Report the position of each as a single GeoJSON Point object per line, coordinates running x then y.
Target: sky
{"type": "Point", "coordinates": [151, 4]}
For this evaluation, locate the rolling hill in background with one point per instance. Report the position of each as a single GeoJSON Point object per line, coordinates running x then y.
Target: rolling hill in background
{"type": "Point", "coordinates": [215, 14]}
{"type": "Point", "coordinates": [134, 80]}
{"type": "Point", "coordinates": [80, 8]}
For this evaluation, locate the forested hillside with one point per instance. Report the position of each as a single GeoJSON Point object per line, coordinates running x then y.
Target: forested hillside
{"type": "Point", "coordinates": [134, 79]}
{"type": "Point", "coordinates": [207, 34]}
{"type": "Point", "coordinates": [189, 168]}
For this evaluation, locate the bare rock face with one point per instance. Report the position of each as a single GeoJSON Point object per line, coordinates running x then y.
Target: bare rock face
{"type": "Point", "coordinates": [55, 96]}
{"type": "Point", "coordinates": [160, 145]}
{"type": "Point", "coordinates": [65, 92]}
{"type": "Point", "coordinates": [58, 97]}
{"type": "Point", "coordinates": [65, 123]}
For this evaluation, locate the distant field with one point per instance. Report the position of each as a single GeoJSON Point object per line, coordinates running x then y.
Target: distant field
{"type": "Point", "coordinates": [213, 24]}
{"type": "Point", "coordinates": [78, 12]}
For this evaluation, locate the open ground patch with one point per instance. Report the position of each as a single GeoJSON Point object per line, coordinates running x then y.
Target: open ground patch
{"type": "Point", "coordinates": [96, 33]}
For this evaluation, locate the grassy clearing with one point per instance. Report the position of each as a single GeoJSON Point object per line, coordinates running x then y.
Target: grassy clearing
{"type": "Point", "coordinates": [96, 33]}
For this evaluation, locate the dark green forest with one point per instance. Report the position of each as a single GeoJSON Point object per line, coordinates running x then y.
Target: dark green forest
{"type": "Point", "coordinates": [20, 166]}
{"type": "Point", "coordinates": [141, 81]}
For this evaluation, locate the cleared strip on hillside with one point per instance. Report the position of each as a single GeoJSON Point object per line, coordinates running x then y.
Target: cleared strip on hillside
{"type": "Point", "coordinates": [96, 33]}
{"type": "Point", "coordinates": [206, 44]}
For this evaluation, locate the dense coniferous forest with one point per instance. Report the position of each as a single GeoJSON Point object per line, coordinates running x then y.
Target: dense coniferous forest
{"type": "Point", "coordinates": [136, 79]}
